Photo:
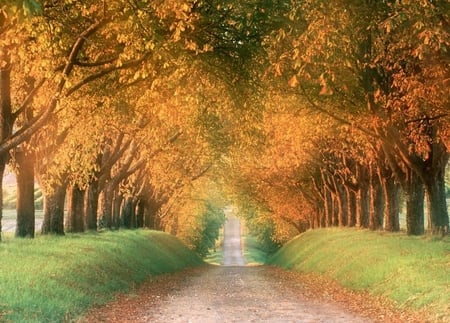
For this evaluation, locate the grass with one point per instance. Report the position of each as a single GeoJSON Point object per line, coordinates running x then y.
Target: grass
{"type": "Point", "coordinates": [55, 279]}
{"type": "Point", "coordinates": [253, 253]}
{"type": "Point", "coordinates": [215, 257]}
{"type": "Point", "coordinates": [412, 271]}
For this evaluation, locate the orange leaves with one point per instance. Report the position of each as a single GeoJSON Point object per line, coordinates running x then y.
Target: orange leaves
{"type": "Point", "coordinates": [293, 82]}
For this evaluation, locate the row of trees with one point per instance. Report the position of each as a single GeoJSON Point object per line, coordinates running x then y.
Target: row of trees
{"type": "Point", "coordinates": [108, 105]}
{"type": "Point", "coordinates": [308, 113]}
{"type": "Point", "coordinates": [360, 120]}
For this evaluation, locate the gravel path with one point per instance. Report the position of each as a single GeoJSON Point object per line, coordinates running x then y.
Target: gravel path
{"type": "Point", "coordinates": [237, 293]}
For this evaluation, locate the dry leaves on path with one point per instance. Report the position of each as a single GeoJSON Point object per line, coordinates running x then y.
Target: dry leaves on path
{"type": "Point", "coordinates": [158, 299]}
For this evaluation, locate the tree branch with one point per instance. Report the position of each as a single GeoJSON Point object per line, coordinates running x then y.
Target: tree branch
{"type": "Point", "coordinates": [104, 72]}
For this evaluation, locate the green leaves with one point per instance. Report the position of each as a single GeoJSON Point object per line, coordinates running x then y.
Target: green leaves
{"type": "Point", "coordinates": [32, 8]}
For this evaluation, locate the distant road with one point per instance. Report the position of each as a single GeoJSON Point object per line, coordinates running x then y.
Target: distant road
{"type": "Point", "coordinates": [232, 248]}
{"type": "Point", "coordinates": [9, 221]}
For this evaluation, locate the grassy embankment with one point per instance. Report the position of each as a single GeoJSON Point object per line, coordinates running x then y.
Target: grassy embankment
{"type": "Point", "coordinates": [253, 252]}
{"type": "Point", "coordinates": [54, 279]}
{"type": "Point", "coordinates": [412, 271]}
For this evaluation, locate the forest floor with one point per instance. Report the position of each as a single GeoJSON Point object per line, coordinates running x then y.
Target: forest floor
{"type": "Point", "coordinates": [238, 293]}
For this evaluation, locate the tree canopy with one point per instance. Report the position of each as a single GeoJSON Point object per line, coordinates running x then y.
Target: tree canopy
{"type": "Point", "coordinates": [304, 114]}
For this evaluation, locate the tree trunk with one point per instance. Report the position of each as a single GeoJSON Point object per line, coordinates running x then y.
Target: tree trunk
{"type": "Point", "coordinates": [53, 222]}
{"type": "Point", "coordinates": [117, 209]}
{"type": "Point", "coordinates": [328, 208]}
{"type": "Point", "coordinates": [106, 206]}
{"type": "Point", "coordinates": [437, 202]}
{"type": "Point", "coordinates": [414, 205]}
{"type": "Point", "coordinates": [140, 211]}
{"type": "Point", "coordinates": [363, 208]}
{"type": "Point", "coordinates": [75, 209]}
{"type": "Point", "coordinates": [2, 172]}
{"type": "Point", "coordinates": [336, 209]}
{"type": "Point", "coordinates": [363, 198]}
{"type": "Point", "coordinates": [25, 195]}
{"type": "Point", "coordinates": [128, 213]}
{"type": "Point", "coordinates": [376, 203]}
{"type": "Point", "coordinates": [342, 204]}
{"type": "Point", "coordinates": [91, 206]}
{"type": "Point", "coordinates": [392, 207]}
{"type": "Point", "coordinates": [351, 213]}
{"type": "Point", "coordinates": [6, 122]}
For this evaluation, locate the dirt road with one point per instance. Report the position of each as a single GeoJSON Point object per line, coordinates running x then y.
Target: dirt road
{"type": "Point", "coordinates": [229, 293]}
{"type": "Point", "coordinates": [236, 293]}
{"type": "Point", "coordinates": [232, 247]}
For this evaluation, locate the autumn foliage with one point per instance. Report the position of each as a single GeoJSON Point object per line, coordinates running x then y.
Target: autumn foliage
{"type": "Point", "coordinates": [304, 113]}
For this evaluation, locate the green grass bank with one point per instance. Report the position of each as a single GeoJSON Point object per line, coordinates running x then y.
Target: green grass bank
{"type": "Point", "coordinates": [412, 271]}
{"type": "Point", "coordinates": [56, 279]}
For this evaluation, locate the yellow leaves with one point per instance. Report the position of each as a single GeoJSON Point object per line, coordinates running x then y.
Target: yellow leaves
{"type": "Point", "coordinates": [191, 45]}
{"type": "Point", "coordinates": [293, 82]}
{"type": "Point", "coordinates": [281, 34]}
{"type": "Point", "coordinates": [324, 80]}
{"type": "Point", "coordinates": [277, 69]}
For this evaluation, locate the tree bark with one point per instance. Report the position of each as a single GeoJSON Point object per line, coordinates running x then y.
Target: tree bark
{"type": "Point", "coordinates": [117, 209]}
{"type": "Point", "coordinates": [6, 123]}
{"type": "Point", "coordinates": [140, 211]}
{"type": "Point", "coordinates": [106, 206]}
{"type": "Point", "coordinates": [91, 206]}
{"type": "Point", "coordinates": [341, 195]}
{"type": "Point", "coordinates": [414, 205]}
{"type": "Point", "coordinates": [25, 195]}
{"type": "Point", "coordinates": [328, 201]}
{"type": "Point", "coordinates": [75, 209]}
{"type": "Point", "coordinates": [363, 198]}
{"type": "Point", "coordinates": [391, 192]}
{"type": "Point", "coordinates": [128, 213]}
{"type": "Point", "coordinates": [2, 172]}
{"type": "Point", "coordinates": [53, 222]}
{"type": "Point", "coordinates": [437, 203]}
{"type": "Point", "coordinates": [351, 214]}
{"type": "Point", "coordinates": [376, 203]}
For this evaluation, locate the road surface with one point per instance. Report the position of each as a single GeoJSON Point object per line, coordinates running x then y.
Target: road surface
{"type": "Point", "coordinates": [232, 293]}
{"type": "Point", "coordinates": [232, 247]}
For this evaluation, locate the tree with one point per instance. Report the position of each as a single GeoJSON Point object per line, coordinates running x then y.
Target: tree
{"type": "Point", "coordinates": [347, 56]}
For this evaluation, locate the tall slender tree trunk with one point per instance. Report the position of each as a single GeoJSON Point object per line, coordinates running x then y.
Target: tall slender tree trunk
{"type": "Point", "coordinates": [75, 209]}
{"type": "Point", "coordinates": [106, 206]}
{"type": "Point", "coordinates": [334, 210]}
{"type": "Point", "coordinates": [6, 121]}
{"type": "Point", "coordinates": [414, 205]}
{"type": "Point", "coordinates": [2, 172]}
{"type": "Point", "coordinates": [376, 203]}
{"type": "Point", "coordinates": [437, 202]}
{"type": "Point", "coordinates": [363, 207]}
{"type": "Point", "coordinates": [91, 205]}
{"type": "Point", "coordinates": [140, 212]}
{"type": "Point", "coordinates": [363, 198]}
{"type": "Point", "coordinates": [25, 195]}
{"type": "Point", "coordinates": [328, 208]}
{"type": "Point", "coordinates": [322, 217]}
{"type": "Point", "coordinates": [342, 204]}
{"type": "Point", "coordinates": [128, 213]}
{"type": "Point", "coordinates": [351, 213]}
{"type": "Point", "coordinates": [53, 222]}
{"type": "Point", "coordinates": [117, 209]}
{"type": "Point", "coordinates": [391, 192]}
